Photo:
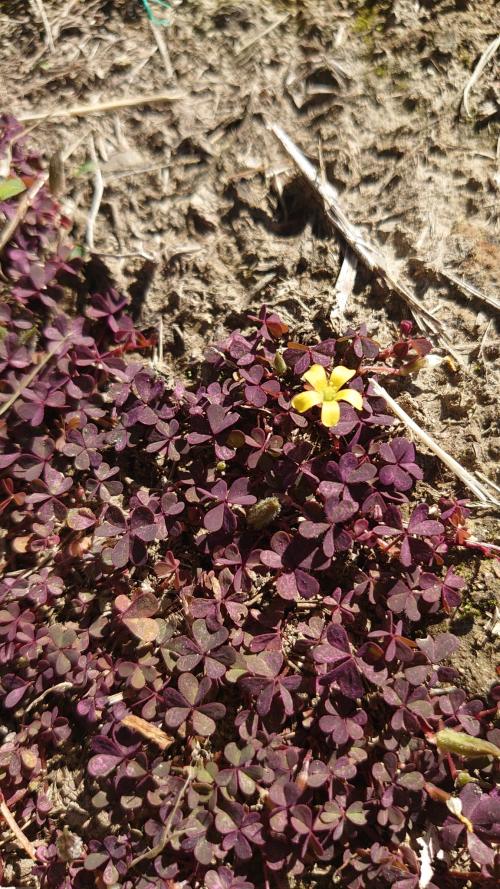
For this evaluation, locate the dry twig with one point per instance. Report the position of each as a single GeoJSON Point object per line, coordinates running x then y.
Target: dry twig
{"type": "Point", "coordinates": [463, 474]}
{"type": "Point", "coordinates": [60, 686]}
{"type": "Point", "coordinates": [478, 70]}
{"type": "Point", "coordinates": [147, 730]}
{"type": "Point", "coordinates": [40, 9]}
{"type": "Point", "coordinates": [262, 34]}
{"type": "Point", "coordinates": [365, 251]}
{"type": "Point", "coordinates": [165, 834]}
{"type": "Point", "coordinates": [16, 830]}
{"type": "Point", "coordinates": [111, 105]}
{"type": "Point", "coordinates": [344, 285]}
{"type": "Point", "coordinates": [96, 198]}
{"type": "Point", "coordinates": [471, 291]}
{"type": "Point", "coordinates": [162, 49]}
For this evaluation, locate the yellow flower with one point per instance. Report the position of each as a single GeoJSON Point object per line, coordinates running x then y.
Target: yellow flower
{"type": "Point", "coordinates": [327, 393]}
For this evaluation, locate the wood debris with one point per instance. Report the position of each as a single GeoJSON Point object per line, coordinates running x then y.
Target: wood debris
{"type": "Point", "coordinates": [147, 730]}
{"type": "Point", "coordinates": [111, 105]}
{"type": "Point", "coordinates": [369, 255]}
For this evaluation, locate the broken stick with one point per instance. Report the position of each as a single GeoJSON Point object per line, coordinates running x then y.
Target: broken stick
{"type": "Point", "coordinates": [344, 285]}
{"type": "Point", "coordinates": [470, 290]}
{"type": "Point", "coordinates": [364, 250]}
{"type": "Point", "coordinates": [463, 474]}
{"type": "Point", "coordinates": [21, 837]}
{"type": "Point", "coordinates": [478, 70]}
{"type": "Point", "coordinates": [111, 105]}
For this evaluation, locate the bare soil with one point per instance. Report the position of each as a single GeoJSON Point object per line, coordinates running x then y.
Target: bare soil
{"type": "Point", "coordinates": [206, 218]}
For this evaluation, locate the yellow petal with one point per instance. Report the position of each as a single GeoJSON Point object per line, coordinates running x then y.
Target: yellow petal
{"type": "Point", "coordinates": [353, 397]}
{"type": "Point", "coordinates": [330, 413]}
{"type": "Point", "coordinates": [304, 400]}
{"type": "Point", "coordinates": [316, 376]}
{"type": "Point", "coordinates": [340, 375]}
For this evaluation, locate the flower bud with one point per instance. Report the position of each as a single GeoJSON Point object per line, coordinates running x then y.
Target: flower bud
{"type": "Point", "coordinates": [279, 364]}
{"type": "Point", "coordinates": [450, 741]}
{"type": "Point", "coordinates": [263, 512]}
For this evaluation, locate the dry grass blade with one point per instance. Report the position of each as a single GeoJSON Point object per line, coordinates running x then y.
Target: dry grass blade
{"type": "Point", "coordinates": [111, 105]}
{"type": "Point", "coordinates": [165, 834]}
{"type": "Point", "coordinates": [96, 197]}
{"type": "Point", "coordinates": [21, 837]}
{"type": "Point", "coordinates": [162, 49]}
{"type": "Point", "coordinates": [478, 70]}
{"type": "Point", "coordinates": [344, 285]}
{"type": "Point", "coordinates": [40, 9]}
{"type": "Point", "coordinates": [59, 687]}
{"type": "Point", "coordinates": [466, 477]}
{"type": "Point", "coordinates": [365, 251]}
{"type": "Point", "coordinates": [262, 34]}
{"type": "Point", "coordinates": [471, 291]}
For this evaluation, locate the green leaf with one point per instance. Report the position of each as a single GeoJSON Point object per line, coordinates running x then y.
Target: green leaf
{"type": "Point", "coordinates": [411, 780]}
{"type": "Point", "coordinates": [235, 674]}
{"type": "Point", "coordinates": [10, 187]}
{"type": "Point", "coordinates": [356, 814]}
{"type": "Point", "coordinates": [450, 741]}
{"type": "Point", "coordinates": [83, 169]}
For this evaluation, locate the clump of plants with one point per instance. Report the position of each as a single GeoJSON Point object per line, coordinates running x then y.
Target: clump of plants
{"type": "Point", "coordinates": [214, 605]}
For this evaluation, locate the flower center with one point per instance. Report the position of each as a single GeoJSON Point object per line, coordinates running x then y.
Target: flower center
{"type": "Point", "coordinates": [329, 394]}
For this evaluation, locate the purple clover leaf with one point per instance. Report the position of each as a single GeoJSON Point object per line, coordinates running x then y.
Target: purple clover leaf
{"type": "Point", "coordinates": [13, 355]}
{"type": "Point", "coordinates": [482, 812]}
{"type": "Point", "coordinates": [36, 399]}
{"type": "Point", "coordinates": [343, 666]}
{"type": "Point", "coordinates": [411, 705]}
{"type": "Point", "coordinates": [104, 485]}
{"type": "Point", "coordinates": [399, 470]}
{"type": "Point", "coordinates": [259, 385]}
{"type": "Point", "coordinates": [343, 722]}
{"type": "Point", "coordinates": [286, 556]}
{"type": "Point", "coordinates": [204, 647]}
{"type": "Point", "coordinates": [304, 832]}
{"type": "Point", "coordinates": [32, 463]}
{"type": "Point", "coordinates": [84, 447]}
{"type": "Point", "coordinates": [107, 307]}
{"type": "Point", "coordinates": [224, 878]}
{"type": "Point", "coordinates": [240, 829]}
{"type": "Point", "coordinates": [165, 439]}
{"type": "Point", "coordinates": [459, 711]}
{"type": "Point", "coordinates": [241, 776]}
{"type": "Point", "coordinates": [131, 535]}
{"type": "Point", "coordinates": [301, 357]}
{"type": "Point", "coordinates": [451, 591]}
{"type": "Point", "coordinates": [49, 501]}
{"type": "Point", "coordinates": [262, 442]}
{"type": "Point", "coordinates": [351, 479]}
{"type": "Point", "coordinates": [331, 533]}
{"type": "Point", "coordinates": [413, 548]}
{"type": "Point", "coordinates": [111, 861]}
{"type": "Point", "coordinates": [186, 710]}
{"type": "Point", "coordinates": [214, 430]}
{"type": "Point", "coordinates": [271, 688]}
{"type": "Point", "coordinates": [221, 516]}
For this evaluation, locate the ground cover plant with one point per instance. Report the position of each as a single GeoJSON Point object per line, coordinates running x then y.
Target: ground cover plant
{"type": "Point", "coordinates": [214, 602]}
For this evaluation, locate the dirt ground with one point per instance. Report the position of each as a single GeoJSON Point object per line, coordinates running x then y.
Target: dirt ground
{"type": "Point", "coordinates": [204, 218]}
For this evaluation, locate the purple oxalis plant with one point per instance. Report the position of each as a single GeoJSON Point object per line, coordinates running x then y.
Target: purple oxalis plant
{"type": "Point", "coordinates": [219, 607]}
